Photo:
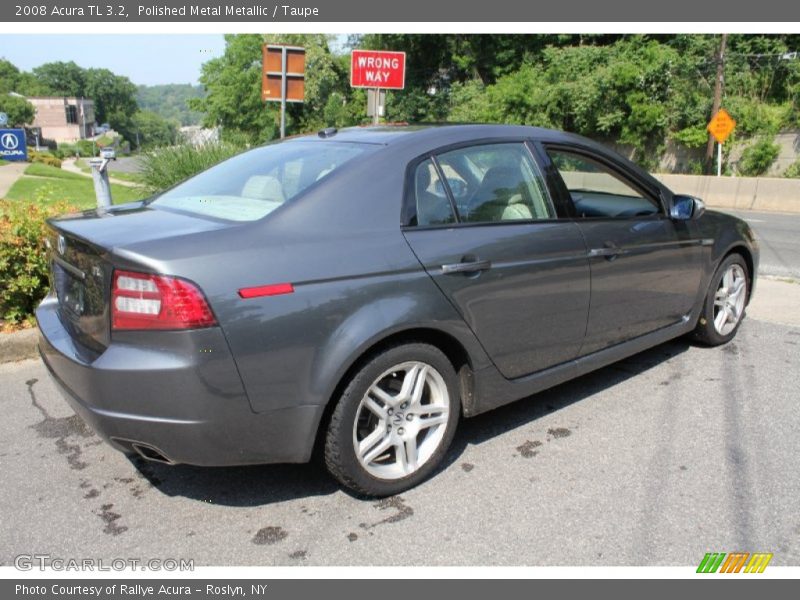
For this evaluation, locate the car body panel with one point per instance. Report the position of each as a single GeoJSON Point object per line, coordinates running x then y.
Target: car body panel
{"type": "Point", "coordinates": [255, 387]}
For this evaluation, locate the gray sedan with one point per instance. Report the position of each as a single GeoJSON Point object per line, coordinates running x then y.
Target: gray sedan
{"type": "Point", "coordinates": [357, 292]}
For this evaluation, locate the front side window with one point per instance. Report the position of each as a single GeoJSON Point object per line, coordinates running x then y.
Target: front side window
{"type": "Point", "coordinates": [253, 184]}
{"type": "Point", "coordinates": [596, 191]}
{"type": "Point", "coordinates": [495, 182]}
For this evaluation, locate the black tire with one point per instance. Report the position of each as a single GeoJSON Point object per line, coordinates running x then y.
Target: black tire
{"type": "Point", "coordinates": [706, 332]}
{"type": "Point", "coordinates": [340, 454]}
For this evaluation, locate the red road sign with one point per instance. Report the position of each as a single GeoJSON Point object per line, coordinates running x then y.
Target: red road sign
{"type": "Point", "coordinates": [378, 69]}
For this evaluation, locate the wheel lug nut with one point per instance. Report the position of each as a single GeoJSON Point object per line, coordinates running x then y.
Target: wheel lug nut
{"type": "Point", "coordinates": [390, 411]}
{"type": "Point", "coordinates": [404, 404]}
{"type": "Point", "coordinates": [401, 431]}
{"type": "Point", "coordinates": [409, 417]}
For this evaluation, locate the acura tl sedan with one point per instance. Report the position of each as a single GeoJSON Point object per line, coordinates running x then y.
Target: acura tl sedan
{"type": "Point", "coordinates": [357, 292]}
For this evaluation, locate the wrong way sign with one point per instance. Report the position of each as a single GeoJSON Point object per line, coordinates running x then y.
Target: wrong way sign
{"type": "Point", "coordinates": [378, 69]}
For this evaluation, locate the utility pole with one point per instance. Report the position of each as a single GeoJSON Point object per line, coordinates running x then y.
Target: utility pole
{"type": "Point", "coordinates": [718, 89]}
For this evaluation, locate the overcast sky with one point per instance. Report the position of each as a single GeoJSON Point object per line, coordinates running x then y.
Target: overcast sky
{"type": "Point", "coordinates": [145, 59]}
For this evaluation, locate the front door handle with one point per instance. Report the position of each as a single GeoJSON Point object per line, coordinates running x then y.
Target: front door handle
{"type": "Point", "coordinates": [610, 251]}
{"type": "Point", "coordinates": [467, 267]}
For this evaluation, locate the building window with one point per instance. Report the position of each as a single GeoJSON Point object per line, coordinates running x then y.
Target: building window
{"type": "Point", "coordinates": [72, 114]}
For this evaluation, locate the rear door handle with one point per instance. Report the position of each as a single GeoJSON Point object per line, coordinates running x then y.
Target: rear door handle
{"type": "Point", "coordinates": [467, 267]}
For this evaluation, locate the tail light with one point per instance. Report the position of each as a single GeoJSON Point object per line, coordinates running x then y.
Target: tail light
{"type": "Point", "coordinates": [145, 301]}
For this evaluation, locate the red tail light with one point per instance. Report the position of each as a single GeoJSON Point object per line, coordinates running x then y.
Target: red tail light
{"type": "Point", "coordinates": [145, 301]}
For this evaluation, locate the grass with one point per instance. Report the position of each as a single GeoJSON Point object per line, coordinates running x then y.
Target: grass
{"type": "Point", "coordinates": [42, 170]}
{"type": "Point", "coordinates": [49, 189]}
{"type": "Point", "coordinates": [3, 162]}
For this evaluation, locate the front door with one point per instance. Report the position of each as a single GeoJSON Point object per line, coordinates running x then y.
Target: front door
{"type": "Point", "coordinates": [645, 267]}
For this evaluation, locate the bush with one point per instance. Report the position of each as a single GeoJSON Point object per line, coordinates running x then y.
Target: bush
{"type": "Point", "coordinates": [23, 259]}
{"type": "Point", "coordinates": [164, 167]}
{"type": "Point", "coordinates": [793, 172]}
{"type": "Point", "coordinates": [44, 158]}
{"type": "Point", "coordinates": [758, 158]}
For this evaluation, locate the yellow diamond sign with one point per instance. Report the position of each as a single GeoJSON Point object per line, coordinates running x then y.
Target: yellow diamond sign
{"type": "Point", "coordinates": [721, 125]}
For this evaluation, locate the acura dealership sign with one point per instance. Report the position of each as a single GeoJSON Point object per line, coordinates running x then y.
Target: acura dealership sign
{"type": "Point", "coordinates": [12, 144]}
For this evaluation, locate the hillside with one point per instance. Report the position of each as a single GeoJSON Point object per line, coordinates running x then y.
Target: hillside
{"type": "Point", "coordinates": [170, 101]}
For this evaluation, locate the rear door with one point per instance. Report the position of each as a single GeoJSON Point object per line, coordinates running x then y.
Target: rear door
{"type": "Point", "coordinates": [645, 267]}
{"type": "Point", "coordinates": [482, 223]}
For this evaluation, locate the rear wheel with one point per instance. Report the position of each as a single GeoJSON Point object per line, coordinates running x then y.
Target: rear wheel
{"type": "Point", "coordinates": [394, 421]}
{"type": "Point", "coordinates": [724, 306]}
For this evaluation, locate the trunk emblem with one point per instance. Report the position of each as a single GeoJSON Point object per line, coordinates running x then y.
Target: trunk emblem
{"type": "Point", "coordinates": [61, 244]}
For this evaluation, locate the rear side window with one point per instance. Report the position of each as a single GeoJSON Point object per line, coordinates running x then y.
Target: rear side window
{"type": "Point", "coordinates": [433, 205]}
{"type": "Point", "coordinates": [496, 182]}
{"type": "Point", "coordinates": [253, 184]}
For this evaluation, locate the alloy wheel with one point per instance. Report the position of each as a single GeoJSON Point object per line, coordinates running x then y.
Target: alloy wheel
{"type": "Point", "coordinates": [729, 299]}
{"type": "Point", "coordinates": [401, 420]}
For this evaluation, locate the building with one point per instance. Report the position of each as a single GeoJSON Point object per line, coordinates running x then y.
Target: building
{"type": "Point", "coordinates": [63, 119]}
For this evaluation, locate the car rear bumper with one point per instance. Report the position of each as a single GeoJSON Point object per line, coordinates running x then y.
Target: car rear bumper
{"type": "Point", "coordinates": [179, 401]}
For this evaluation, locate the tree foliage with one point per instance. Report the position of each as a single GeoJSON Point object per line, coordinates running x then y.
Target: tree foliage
{"type": "Point", "coordinates": [20, 112]}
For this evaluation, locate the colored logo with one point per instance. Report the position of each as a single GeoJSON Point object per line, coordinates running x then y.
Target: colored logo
{"type": "Point", "coordinates": [734, 562]}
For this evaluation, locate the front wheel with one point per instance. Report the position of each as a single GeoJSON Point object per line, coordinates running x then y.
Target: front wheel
{"type": "Point", "coordinates": [394, 421]}
{"type": "Point", "coordinates": [724, 305]}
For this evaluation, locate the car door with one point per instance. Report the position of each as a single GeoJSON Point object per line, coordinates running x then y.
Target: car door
{"type": "Point", "coordinates": [482, 223]}
{"type": "Point", "coordinates": [645, 267]}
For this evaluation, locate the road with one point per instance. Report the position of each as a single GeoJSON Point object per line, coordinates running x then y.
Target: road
{"type": "Point", "coordinates": [779, 239]}
{"type": "Point", "coordinates": [656, 460]}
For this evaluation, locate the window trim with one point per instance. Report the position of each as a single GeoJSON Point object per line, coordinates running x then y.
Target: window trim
{"type": "Point", "coordinates": [623, 174]}
{"type": "Point", "coordinates": [409, 209]}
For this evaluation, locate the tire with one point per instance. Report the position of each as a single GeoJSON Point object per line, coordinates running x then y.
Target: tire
{"type": "Point", "coordinates": [400, 410]}
{"type": "Point", "coordinates": [720, 299]}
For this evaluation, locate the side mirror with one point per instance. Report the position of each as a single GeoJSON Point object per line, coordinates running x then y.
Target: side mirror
{"type": "Point", "coordinates": [684, 208]}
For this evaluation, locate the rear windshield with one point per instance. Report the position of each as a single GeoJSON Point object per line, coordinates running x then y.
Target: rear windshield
{"type": "Point", "coordinates": [253, 184]}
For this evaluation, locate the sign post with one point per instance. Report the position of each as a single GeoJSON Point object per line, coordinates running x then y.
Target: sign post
{"type": "Point", "coordinates": [283, 77]}
{"type": "Point", "coordinates": [377, 70]}
{"type": "Point", "coordinates": [720, 127]}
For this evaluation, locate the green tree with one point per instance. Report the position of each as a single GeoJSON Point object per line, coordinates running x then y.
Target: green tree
{"type": "Point", "coordinates": [61, 78]}
{"type": "Point", "coordinates": [151, 129]}
{"type": "Point", "coordinates": [112, 94]}
{"type": "Point", "coordinates": [20, 112]}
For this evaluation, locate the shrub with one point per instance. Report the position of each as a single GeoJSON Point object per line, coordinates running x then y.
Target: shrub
{"type": "Point", "coordinates": [793, 171]}
{"type": "Point", "coordinates": [758, 158]}
{"type": "Point", "coordinates": [164, 167]}
{"type": "Point", "coordinates": [44, 158]}
{"type": "Point", "coordinates": [23, 259]}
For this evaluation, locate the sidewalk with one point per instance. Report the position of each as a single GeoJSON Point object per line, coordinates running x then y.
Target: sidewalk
{"type": "Point", "coordinates": [69, 165]}
{"type": "Point", "coordinates": [9, 175]}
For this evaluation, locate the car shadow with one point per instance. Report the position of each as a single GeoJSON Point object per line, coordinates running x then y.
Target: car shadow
{"type": "Point", "coordinates": [267, 484]}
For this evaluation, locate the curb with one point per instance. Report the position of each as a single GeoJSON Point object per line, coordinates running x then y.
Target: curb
{"type": "Point", "coordinates": [19, 345]}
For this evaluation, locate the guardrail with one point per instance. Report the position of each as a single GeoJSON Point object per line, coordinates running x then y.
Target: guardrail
{"type": "Point", "coordinates": [742, 193]}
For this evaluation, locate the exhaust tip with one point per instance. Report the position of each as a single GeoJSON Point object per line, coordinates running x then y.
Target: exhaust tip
{"type": "Point", "coordinates": [150, 453]}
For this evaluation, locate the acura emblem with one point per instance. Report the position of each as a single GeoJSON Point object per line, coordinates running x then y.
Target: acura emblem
{"type": "Point", "coordinates": [61, 244]}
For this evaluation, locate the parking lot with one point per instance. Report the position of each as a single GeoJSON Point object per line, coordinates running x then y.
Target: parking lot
{"type": "Point", "coordinates": [675, 452]}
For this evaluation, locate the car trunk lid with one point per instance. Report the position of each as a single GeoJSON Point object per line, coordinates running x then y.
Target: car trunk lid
{"type": "Point", "coordinates": [83, 255]}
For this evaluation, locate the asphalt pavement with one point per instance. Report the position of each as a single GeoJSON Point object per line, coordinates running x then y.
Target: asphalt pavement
{"type": "Point", "coordinates": [779, 239]}
{"type": "Point", "coordinates": [675, 452]}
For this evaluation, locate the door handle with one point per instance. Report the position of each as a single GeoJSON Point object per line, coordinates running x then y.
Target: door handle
{"type": "Point", "coordinates": [610, 251]}
{"type": "Point", "coordinates": [467, 267]}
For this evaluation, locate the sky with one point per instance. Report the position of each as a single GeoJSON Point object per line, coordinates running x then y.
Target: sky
{"type": "Point", "coordinates": [144, 59]}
